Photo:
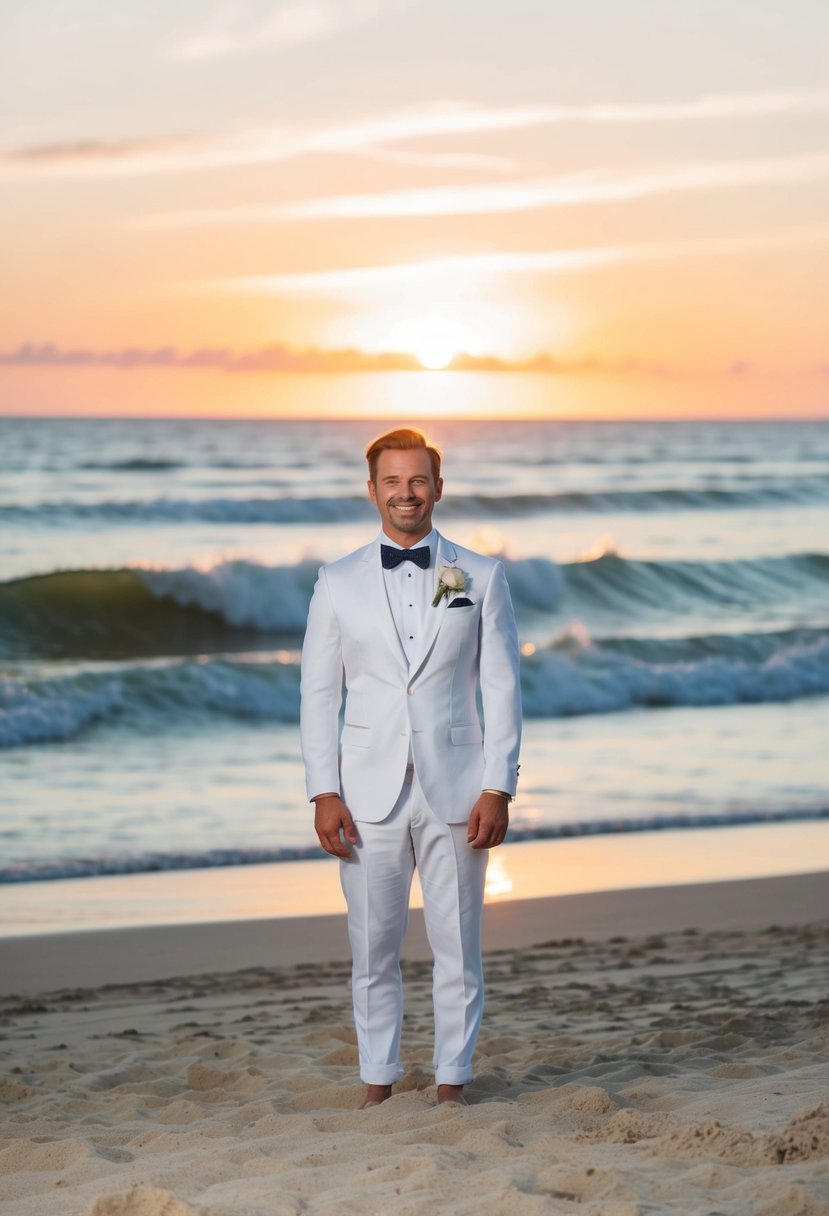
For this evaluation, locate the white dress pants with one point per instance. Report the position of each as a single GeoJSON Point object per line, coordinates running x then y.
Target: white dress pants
{"type": "Point", "coordinates": [376, 882]}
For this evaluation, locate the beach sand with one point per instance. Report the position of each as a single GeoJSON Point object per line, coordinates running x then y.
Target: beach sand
{"type": "Point", "coordinates": [663, 1050]}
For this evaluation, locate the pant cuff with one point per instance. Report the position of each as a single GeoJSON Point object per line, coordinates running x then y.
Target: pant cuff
{"type": "Point", "coordinates": [381, 1074]}
{"type": "Point", "coordinates": [452, 1075]}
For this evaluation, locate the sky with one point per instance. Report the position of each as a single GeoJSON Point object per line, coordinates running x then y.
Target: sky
{"type": "Point", "coordinates": [336, 207]}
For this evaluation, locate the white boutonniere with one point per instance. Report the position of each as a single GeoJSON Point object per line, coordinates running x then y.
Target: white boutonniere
{"type": "Point", "coordinates": [451, 581]}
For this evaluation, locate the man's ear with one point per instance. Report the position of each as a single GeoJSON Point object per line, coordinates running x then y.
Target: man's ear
{"type": "Point", "coordinates": [439, 489]}
{"type": "Point", "coordinates": [372, 491]}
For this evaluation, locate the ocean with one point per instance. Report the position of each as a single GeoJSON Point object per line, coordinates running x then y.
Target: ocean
{"type": "Point", "coordinates": [670, 579]}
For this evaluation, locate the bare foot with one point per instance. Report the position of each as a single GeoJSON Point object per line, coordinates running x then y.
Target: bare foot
{"type": "Point", "coordinates": [375, 1094]}
{"type": "Point", "coordinates": [451, 1093]}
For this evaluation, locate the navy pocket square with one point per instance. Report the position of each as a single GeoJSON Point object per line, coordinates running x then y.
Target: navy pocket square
{"type": "Point", "coordinates": [461, 603]}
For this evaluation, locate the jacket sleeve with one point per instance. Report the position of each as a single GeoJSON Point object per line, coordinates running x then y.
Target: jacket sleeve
{"type": "Point", "coordinates": [321, 693]}
{"type": "Point", "coordinates": [500, 686]}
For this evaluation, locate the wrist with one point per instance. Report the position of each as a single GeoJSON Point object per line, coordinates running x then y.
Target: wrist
{"type": "Point", "coordinates": [500, 793]}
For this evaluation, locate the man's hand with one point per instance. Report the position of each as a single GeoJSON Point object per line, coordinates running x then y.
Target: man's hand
{"type": "Point", "coordinates": [489, 821]}
{"type": "Point", "coordinates": [332, 815]}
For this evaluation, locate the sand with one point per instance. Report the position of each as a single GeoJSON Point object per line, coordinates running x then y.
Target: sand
{"type": "Point", "coordinates": [672, 1057]}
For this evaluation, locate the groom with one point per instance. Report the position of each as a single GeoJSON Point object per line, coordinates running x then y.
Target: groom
{"type": "Point", "coordinates": [407, 629]}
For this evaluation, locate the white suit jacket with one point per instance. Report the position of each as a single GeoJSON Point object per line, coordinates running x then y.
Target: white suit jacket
{"type": "Point", "coordinates": [352, 651]}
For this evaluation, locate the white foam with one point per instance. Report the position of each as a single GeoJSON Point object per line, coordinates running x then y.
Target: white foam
{"type": "Point", "coordinates": [245, 593]}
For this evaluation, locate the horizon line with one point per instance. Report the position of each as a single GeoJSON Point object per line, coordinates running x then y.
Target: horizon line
{"type": "Point", "coordinates": [425, 419]}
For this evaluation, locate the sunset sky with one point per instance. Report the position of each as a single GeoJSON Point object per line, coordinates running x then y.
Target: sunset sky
{"type": "Point", "coordinates": [247, 208]}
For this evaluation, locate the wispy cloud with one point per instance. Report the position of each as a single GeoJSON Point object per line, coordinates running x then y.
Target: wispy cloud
{"type": "Point", "coordinates": [441, 160]}
{"type": "Point", "coordinates": [594, 186]}
{"type": "Point", "coordinates": [715, 105]}
{"type": "Point", "coordinates": [438, 120]}
{"type": "Point", "coordinates": [556, 261]}
{"type": "Point", "coordinates": [277, 358]}
{"type": "Point", "coordinates": [232, 31]}
{"type": "Point", "coordinates": [395, 274]}
{"type": "Point", "coordinates": [82, 154]}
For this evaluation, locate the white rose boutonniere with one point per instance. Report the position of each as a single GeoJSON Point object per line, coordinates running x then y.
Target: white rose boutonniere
{"type": "Point", "coordinates": [451, 581]}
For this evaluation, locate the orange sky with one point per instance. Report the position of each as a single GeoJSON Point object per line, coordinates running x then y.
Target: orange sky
{"type": "Point", "coordinates": [289, 208]}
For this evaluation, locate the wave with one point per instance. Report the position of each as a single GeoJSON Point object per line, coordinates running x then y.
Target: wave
{"type": "Point", "coordinates": [573, 676]}
{"type": "Point", "coordinates": [575, 642]}
{"type": "Point", "coordinates": [238, 605]}
{"type": "Point", "coordinates": [128, 612]}
{"type": "Point", "coordinates": [632, 588]}
{"type": "Point", "coordinates": [132, 464]}
{"type": "Point", "coordinates": [144, 863]}
{"type": "Point", "coordinates": [154, 464]}
{"type": "Point", "coordinates": [351, 508]}
{"type": "Point", "coordinates": [57, 708]}
{"type": "Point", "coordinates": [579, 676]}
{"type": "Point", "coordinates": [273, 510]}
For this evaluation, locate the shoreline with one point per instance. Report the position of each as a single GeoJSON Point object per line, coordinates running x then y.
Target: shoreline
{"type": "Point", "coordinates": [34, 871]}
{"type": "Point", "coordinates": [528, 869]}
{"type": "Point", "coordinates": [92, 958]}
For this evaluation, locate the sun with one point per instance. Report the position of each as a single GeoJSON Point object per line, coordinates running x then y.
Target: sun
{"type": "Point", "coordinates": [435, 353]}
{"type": "Point", "coordinates": [434, 340]}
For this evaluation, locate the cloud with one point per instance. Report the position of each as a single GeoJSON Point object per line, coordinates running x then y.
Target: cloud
{"type": "Point", "coordinates": [366, 136]}
{"type": "Point", "coordinates": [441, 160]}
{"type": "Point", "coordinates": [398, 273]}
{"type": "Point", "coordinates": [29, 354]}
{"type": "Point", "coordinates": [92, 153]}
{"type": "Point", "coordinates": [593, 186]}
{"type": "Point", "coordinates": [291, 24]}
{"type": "Point", "coordinates": [717, 105]}
{"type": "Point", "coordinates": [277, 358]}
{"type": "Point", "coordinates": [555, 261]}
{"type": "Point", "coordinates": [121, 157]}
{"type": "Point", "coordinates": [273, 358]}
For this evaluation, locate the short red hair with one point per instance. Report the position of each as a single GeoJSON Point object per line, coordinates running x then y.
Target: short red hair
{"type": "Point", "coordinates": [402, 440]}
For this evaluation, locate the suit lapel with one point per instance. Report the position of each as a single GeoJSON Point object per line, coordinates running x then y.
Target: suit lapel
{"type": "Point", "coordinates": [375, 588]}
{"type": "Point", "coordinates": [445, 556]}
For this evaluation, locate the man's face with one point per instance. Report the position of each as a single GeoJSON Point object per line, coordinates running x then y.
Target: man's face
{"type": "Point", "coordinates": [405, 494]}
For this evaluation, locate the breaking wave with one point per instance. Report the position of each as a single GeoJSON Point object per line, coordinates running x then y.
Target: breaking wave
{"type": "Point", "coordinates": [574, 675]}
{"type": "Point", "coordinates": [238, 605]}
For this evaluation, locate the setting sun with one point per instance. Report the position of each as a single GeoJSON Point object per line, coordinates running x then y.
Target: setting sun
{"type": "Point", "coordinates": [435, 340]}
{"type": "Point", "coordinates": [435, 354]}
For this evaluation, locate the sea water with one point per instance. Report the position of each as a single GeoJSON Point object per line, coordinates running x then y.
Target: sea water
{"type": "Point", "coordinates": [670, 580]}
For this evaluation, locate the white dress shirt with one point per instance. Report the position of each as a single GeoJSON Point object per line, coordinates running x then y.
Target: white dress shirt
{"type": "Point", "coordinates": [410, 591]}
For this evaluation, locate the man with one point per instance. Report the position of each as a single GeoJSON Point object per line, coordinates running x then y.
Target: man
{"type": "Point", "coordinates": [408, 628]}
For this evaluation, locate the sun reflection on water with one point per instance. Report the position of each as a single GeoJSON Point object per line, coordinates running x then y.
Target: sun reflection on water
{"type": "Point", "coordinates": [498, 881]}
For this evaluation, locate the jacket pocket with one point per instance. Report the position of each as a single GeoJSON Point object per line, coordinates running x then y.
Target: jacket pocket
{"type": "Point", "coordinates": [465, 732]}
{"type": "Point", "coordinates": [356, 736]}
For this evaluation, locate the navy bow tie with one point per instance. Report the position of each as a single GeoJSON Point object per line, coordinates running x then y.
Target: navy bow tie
{"type": "Point", "coordinates": [392, 558]}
